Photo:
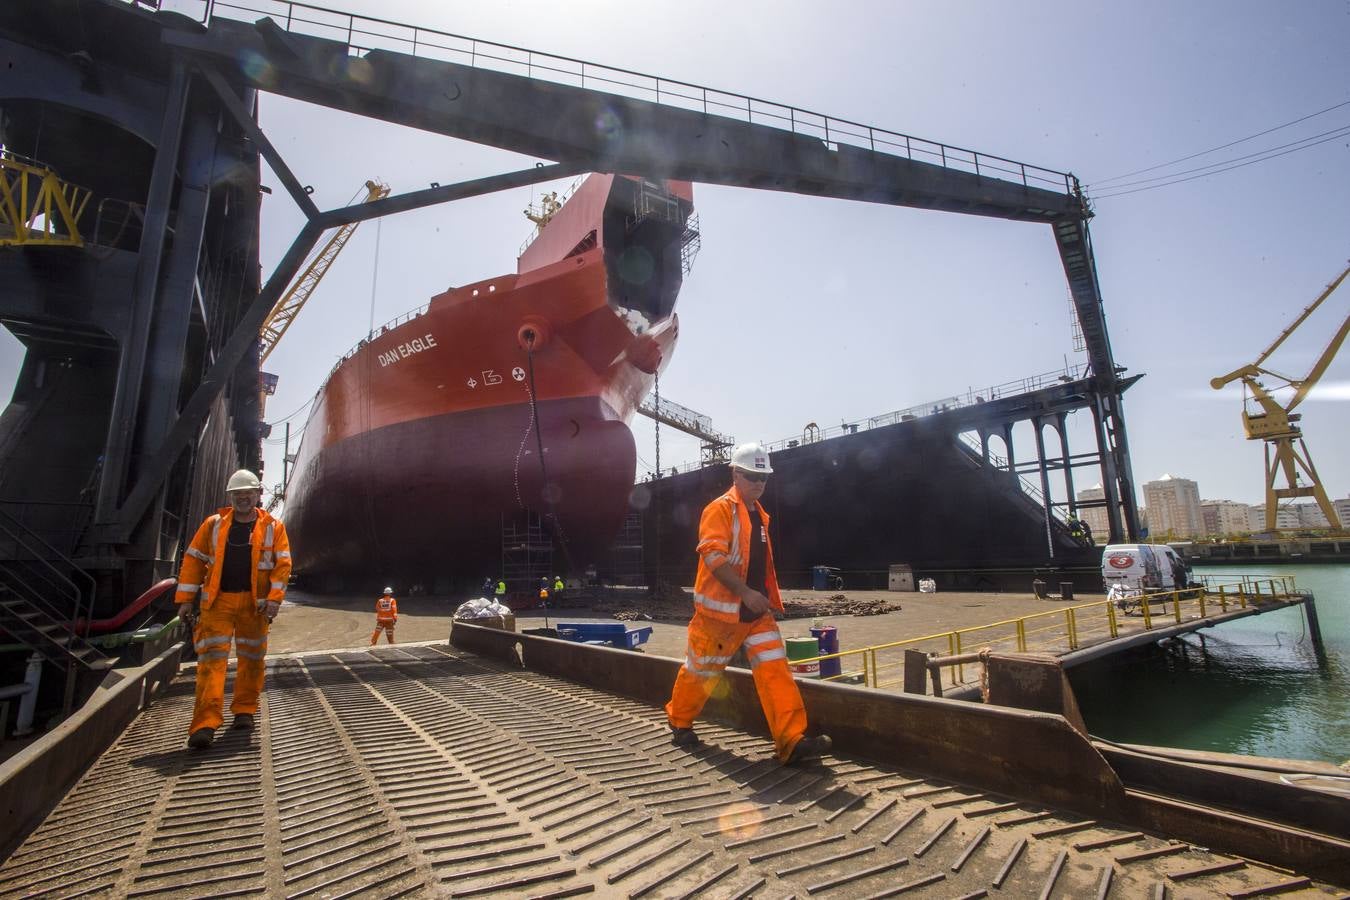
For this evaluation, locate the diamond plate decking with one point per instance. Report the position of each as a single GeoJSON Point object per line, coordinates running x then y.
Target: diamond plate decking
{"type": "Point", "coordinates": [427, 771]}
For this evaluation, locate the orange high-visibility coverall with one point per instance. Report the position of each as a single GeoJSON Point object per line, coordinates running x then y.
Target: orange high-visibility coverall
{"type": "Point", "coordinates": [386, 616]}
{"type": "Point", "coordinates": [232, 616]}
{"type": "Point", "coordinates": [716, 630]}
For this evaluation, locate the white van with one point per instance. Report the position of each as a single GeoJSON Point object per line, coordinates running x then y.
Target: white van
{"type": "Point", "coordinates": [1143, 567]}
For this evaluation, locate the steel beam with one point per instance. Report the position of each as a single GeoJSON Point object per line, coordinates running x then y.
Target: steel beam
{"type": "Point", "coordinates": [604, 132]}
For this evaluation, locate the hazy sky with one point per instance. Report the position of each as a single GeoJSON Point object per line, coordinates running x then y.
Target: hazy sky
{"type": "Point", "coordinates": [834, 311]}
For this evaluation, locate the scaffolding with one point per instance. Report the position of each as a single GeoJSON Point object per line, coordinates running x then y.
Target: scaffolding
{"type": "Point", "coordinates": [527, 552]}
{"type": "Point", "coordinates": [626, 556]}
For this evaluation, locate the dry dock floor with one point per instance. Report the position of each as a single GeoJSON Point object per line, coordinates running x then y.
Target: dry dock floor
{"type": "Point", "coordinates": [331, 622]}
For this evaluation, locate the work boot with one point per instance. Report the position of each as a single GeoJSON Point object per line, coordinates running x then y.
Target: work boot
{"type": "Point", "coordinates": [684, 737]}
{"type": "Point", "coordinates": [243, 721]}
{"type": "Point", "coordinates": [809, 748]}
{"type": "Point", "coordinates": [201, 738]}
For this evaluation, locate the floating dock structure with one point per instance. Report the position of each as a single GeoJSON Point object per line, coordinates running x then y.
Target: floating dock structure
{"type": "Point", "coordinates": [920, 486]}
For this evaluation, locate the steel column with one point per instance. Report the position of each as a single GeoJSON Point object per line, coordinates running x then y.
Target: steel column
{"type": "Point", "coordinates": [1038, 423]}
{"type": "Point", "coordinates": [131, 366]}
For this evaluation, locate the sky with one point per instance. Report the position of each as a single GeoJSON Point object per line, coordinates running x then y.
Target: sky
{"type": "Point", "coordinates": [836, 311]}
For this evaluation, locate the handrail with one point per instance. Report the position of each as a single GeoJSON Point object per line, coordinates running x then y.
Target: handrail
{"type": "Point", "coordinates": [17, 531]}
{"type": "Point", "coordinates": [972, 397]}
{"type": "Point", "coordinates": [362, 34]}
{"type": "Point", "coordinates": [1246, 589]}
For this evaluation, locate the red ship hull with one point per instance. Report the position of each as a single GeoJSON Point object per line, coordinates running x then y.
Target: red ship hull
{"type": "Point", "coordinates": [423, 441]}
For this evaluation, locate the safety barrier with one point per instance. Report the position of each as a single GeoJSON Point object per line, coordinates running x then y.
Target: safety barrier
{"type": "Point", "coordinates": [1058, 631]}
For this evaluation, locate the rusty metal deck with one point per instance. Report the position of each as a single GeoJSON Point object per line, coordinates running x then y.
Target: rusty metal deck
{"type": "Point", "coordinates": [428, 771]}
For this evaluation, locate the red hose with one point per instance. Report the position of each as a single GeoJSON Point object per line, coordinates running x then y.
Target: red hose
{"type": "Point", "coordinates": [102, 626]}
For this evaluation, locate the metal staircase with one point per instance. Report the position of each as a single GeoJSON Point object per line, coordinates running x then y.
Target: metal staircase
{"type": "Point", "coordinates": [55, 641]}
{"type": "Point", "coordinates": [41, 606]}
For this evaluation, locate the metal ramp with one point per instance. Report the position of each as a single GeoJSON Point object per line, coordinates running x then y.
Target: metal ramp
{"type": "Point", "coordinates": [427, 771]}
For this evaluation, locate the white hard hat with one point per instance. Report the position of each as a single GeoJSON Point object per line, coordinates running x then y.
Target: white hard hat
{"type": "Point", "coordinates": [243, 480]}
{"type": "Point", "coordinates": [388, 590]}
{"type": "Point", "coordinates": [751, 458]}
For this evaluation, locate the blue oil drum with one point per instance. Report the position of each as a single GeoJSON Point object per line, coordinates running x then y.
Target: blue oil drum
{"type": "Point", "coordinates": [828, 638]}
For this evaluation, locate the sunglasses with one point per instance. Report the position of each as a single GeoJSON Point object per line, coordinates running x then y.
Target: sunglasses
{"type": "Point", "coordinates": [754, 477]}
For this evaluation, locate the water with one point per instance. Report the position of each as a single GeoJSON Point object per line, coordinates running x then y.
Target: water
{"type": "Point", "coordinates": [1253, 686]}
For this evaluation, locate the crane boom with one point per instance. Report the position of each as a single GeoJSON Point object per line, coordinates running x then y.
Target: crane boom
{"type": "Point", "coordinates": [291, 302]}
{"type": "Point", "coordinates": [1274, 424]}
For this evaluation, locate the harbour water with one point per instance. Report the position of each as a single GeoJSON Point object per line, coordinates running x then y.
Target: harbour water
{"type": "Point", "coordinates": [1253, 686]}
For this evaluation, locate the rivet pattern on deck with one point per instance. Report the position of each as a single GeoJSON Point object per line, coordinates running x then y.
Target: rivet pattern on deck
{"type": "Point", "coordinates": [421, 771]}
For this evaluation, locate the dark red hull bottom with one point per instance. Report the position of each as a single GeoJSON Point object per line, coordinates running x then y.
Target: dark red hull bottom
{"type": "Point", "coordinates": [424, 501]}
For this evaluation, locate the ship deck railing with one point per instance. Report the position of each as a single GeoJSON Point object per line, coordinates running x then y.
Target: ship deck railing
{"type": "Point", "coordinates": [972, 397]}
{"type": "Point", "coordinates": [392, 323]}
{"type": "Point", "coordinates": [1057, 632]}
{"type": "Point", "coordinates": [363, 34]}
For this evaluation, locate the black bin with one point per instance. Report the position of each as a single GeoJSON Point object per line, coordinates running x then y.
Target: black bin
{"type": "Point", "coordinates": [1066, 590]}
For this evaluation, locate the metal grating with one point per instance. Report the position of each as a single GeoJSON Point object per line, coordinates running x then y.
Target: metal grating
{"type": "Point", "coordinates": [419, 771]}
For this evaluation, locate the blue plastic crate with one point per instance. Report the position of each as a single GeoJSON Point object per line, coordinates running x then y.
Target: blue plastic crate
{"type": "Point", "coordinates": [636, 636]}
{"type": "Point", "coordinates": [615, 634]}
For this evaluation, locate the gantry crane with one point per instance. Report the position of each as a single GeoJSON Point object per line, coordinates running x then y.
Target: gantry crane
{"type": "Point", "coordinates": [1274, 423]}
{"type": "Point", "coordinates": [288, 307]}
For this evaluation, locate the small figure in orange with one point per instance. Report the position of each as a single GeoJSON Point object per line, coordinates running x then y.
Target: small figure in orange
{"type": "Point", "coordinates": [386, 616]}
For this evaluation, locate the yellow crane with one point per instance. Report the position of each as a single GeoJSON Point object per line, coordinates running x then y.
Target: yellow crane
{"type": "Point", "coordinates": [291, 302]}
{"type": "Point", "coordinates": [1274, 423]}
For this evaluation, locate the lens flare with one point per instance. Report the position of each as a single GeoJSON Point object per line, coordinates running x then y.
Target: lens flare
{"type": "Point", "coordinates": [255, 67]}
{"type": "Point", "coordinates": [740, 820]}
{"type": "Point", "coordinates": [607, 125]}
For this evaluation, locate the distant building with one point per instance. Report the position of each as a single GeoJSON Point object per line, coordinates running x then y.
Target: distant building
{"type": "Point", "coordinates": [1285, 518]}
{"type": "Point", "coordinates": [1173, 507]}
{"type": "Point", "coordinates": [1223, 517]}
{"type": "Point", "coordinates": [1310, 515]}
{"type": "Point", "coordinates": [1342, 508]}
{"type": "Point", "coordinates": [1096, 517]}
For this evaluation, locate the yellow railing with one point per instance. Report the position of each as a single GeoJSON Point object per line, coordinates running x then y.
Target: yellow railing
{"type": "Point", "coordinates": [1059, 630]}
{"type": "Point", "coordinates": [36, 207]}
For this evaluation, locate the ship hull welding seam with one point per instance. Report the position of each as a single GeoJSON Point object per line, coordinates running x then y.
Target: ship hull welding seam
{"type": "Point", "coordinates": [428, 435]}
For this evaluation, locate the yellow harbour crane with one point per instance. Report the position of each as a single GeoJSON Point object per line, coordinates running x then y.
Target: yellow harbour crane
{"type": "Point", "coordinates": [291, 302]}
{"type": "Point", "coordinates": [1275, 423]}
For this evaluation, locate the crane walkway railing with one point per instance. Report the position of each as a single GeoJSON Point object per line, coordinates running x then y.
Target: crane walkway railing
{"type": "Point", "coordinates": [1057, 631]}
{"type": "Point", "coordinates": [363, 34]}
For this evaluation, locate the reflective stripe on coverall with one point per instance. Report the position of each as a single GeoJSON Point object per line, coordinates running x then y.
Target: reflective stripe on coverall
{"type": "Point", "coordinates": [711, 646]}
{"type": "Point", "coordinates": [233, 615]}
{"type": "Point", "coordinates": [716, 631]}
{"type": "Point", "coordinates": [203, 561]}
{"type": "Point", "coordinates": [386, 616]}
{"type": "Point", "coordinates": [724, 539]}
{"type": "Point", "coordinates": [238, 617]}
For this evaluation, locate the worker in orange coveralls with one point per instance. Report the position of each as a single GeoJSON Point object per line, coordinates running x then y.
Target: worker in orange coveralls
{"type": "Point", "coordinates": [231, 585]}
{"type": "Point", "coordinates": [386, 616]}
{"type": "Point", "coordinates": [735, 591]}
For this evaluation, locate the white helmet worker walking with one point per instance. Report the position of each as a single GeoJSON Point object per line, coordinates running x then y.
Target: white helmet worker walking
{"type": "Point", "coordinates": [751, 458]}
{"type": "Point", "coordinates": [735, 596]}
{"type": "Point", "coordinates": [230, 587]}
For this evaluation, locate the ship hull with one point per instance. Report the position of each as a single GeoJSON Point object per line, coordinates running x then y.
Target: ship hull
{"type": "Point", "coordinates": [426, 498]}
{"type": "Point", "coordinates": [500, 404]}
